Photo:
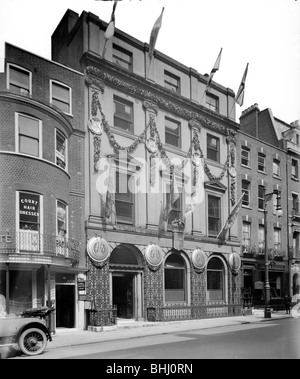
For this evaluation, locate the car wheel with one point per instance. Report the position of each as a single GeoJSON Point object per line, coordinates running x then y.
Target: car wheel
{"type": "Point", "coordinates": [33, 341]}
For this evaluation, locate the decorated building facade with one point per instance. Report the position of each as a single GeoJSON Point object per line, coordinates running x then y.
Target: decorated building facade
{"type": "Point", "coordinates": [160, 162]}
{"type": "Point", "coordinates": [41, 186]}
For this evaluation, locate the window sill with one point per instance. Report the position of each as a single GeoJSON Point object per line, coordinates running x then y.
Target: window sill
{"type": "Point", "coordinates": [277, 177]}
{"type": "Point", "coordinates": [295, 179]}
{"type": "Point", "coordinates": [249, 167]}
{"type": "Point", "coordinates": [247, 207]}
{"type": "Point", "coordinates": [262, 172]}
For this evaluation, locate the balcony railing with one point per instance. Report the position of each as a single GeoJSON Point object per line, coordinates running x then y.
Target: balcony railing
{"type": "Point", "coordinates": [294, 253]}
{"type": "Point", "coordinates": [259, 252]}
{"type": "Point", "coordinates": [28, 241]}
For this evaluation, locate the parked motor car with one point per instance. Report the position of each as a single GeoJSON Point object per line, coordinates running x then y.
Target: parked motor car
{"type": "Point", "coordinates": [27, 331]}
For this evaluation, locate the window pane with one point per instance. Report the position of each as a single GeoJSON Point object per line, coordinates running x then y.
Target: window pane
{"type": "Point", "coordinates": [123, 117]}
{"type": "Point", "coordinates": [61, 97]}
{"type": "Point", "coordinates": [28, 126]}
{"type": "Point", "coordinates": [213, 148]}
{"type": "Point", "coordinates": [61, 218]}
{"type": "Point", "coordinates": [28, 146]}
{"type": "Point", "coordinates": [19, 78]}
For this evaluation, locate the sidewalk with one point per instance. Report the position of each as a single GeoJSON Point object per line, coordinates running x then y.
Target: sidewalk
{"type": "Point", "coordinates": [131, 329]}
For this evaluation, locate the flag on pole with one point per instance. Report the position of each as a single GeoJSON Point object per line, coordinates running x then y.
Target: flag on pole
{"type": "Point", "coordinates": [239, 99]}
{"type": "Point", "coordinates": [110, 30]}
{"type": "Point", "coordinates": [231, 218]}
{"type": "Point", "coordinates": [214, 69]}
{"type": "Point", "coordinates": [154, 34]}
{"type": "Point", "coordinates": [172, 198]}
{"type": "Point", "coordinates": [110, 191]}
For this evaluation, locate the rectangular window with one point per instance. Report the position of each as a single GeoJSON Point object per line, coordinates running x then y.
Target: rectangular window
{"type": "Point", "coordinates": [60, 96]}
{"type": "Point", "coordinates": [246, 189]}
{"type": "Point", "coordinates": [261, 162]}
{"type": "Point", "coordinates": [172, 82]}
{"type": "Point", "coordinates": [29, 222]}
{"type": "Point", "coordinates": [213, 148]}
{"type": "Point", "coordinates": [212, 102]}
{"type": "Point", "coordinates": [19, 80]}
{"type": "Point", "coordinates": [61, 215]}
{"type": "Point", "coordinates": [277, 238]}
{"type": "Point", "coordinates": [122, 57]}
{"type": "Point", "coordinates": [123, 114]}
{"type": "Point", "coordinates": [276, 167]}
{"type": "Point", "coordinates": [261, 238]}
{"type": "Point", "coordinates": [124, 198]}
{"type": "Point", "coordinates": [172, 132]}
{"type": "Point", "coordinates": [60, 150]}
{"type": "Point", "coordinates": [246, 233]}
{"type": "Point", "coordinates": [29, 130]}
{"type": "Point", "coordinates": [214, 215]}
{"type": "Point", "coordinates": [245, 156]}
{"type": "Point", "coordinates": [294, 169]}
{"type": "Point", "coordinates": [295, 204]}
{"type": "Point", "coordinates": [261, 197]}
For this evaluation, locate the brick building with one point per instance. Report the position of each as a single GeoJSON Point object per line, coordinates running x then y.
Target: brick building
{"type": "Point", "coordinates": [268, 155]}
{"type": "Point", "coordinates": [151, 128]}
{"type": "Point", "coordinates": [42, 242]}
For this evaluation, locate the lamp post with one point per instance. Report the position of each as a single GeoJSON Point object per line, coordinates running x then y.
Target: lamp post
{"type": "Point", "coordinates": [267, 198]}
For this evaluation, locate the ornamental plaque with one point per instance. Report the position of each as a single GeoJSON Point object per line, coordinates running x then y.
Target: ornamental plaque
{"type": "Point", "coordinates": [154, 255]}
{"type": "Point", "coordinates": [199, 259]}
{"type": "Point", "coordinates": [151, 145]}
{"type": "Point", "coordinates": [98, 249]}
{"type": "Point", "coordinates": [95, 126]}
{"type": "Point", "coordinates": [234, 261]}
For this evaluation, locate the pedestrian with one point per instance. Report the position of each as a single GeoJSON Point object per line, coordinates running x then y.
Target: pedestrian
{"type": "Point", "coordinates": [287, 303]}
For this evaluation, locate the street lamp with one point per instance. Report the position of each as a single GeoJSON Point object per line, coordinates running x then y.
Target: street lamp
{"type": "Point", "coordinates": [267, 198]}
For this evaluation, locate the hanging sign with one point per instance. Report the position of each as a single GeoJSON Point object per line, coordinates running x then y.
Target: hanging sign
{"type": "Point", "coordinates": [234, 261]}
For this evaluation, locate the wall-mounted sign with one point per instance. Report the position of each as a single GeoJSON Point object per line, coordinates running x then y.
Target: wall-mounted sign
{"type": "Point", "coordinates": [234, 261]}
{"type": "Point", "coordinates": [154, 255]}
{"type": "Point", "coordinates": [29, 208]}
{"type": "Point", "coordinates": [199, 259]}
{"type": "Point", "coordinates": [98, 249]}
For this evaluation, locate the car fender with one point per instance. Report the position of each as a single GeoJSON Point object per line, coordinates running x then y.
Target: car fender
{"type": "Point", "coordinates": [33, 324]}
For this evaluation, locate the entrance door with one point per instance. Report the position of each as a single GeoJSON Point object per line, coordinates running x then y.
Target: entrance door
{"type": "Point", "coordinates": [65, 305]}
{"type": "Point", "coordinates": [123, 296]}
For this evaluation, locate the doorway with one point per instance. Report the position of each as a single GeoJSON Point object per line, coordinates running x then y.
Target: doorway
{"type": "Point", "coordinates": [123, 294]}
{"type": "Point", "coordinates": [65, 305]}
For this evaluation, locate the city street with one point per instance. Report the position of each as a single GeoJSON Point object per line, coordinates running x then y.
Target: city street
{"type": "Point", "coordinates": [278, 339]}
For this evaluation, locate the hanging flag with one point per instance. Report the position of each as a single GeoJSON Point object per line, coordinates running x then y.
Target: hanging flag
{"type": "Point", "coordinates": [231, 218]}
{"type": "Point", "coordinates": [214, 69]}
{"type": "Point", "coordinates": [154, 34]}
{"type": "Point", "coordinates": [172, 198]}
{"type": "Point", "coordinates": [239, 99]}
{"type": "Point", "coordinates": [110, 191]}
{"type": "Point", "coordinates": [110, 28]}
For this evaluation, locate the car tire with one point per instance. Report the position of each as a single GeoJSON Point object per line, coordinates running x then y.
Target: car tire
{"type": "Point", "coordinates": [33, 341]}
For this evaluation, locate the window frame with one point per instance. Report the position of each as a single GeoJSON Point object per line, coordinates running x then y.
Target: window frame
{"type": "Point", "coordinates": [169, 131]}
{"type": "Point", "coordinates": [261, 199]}
{"type": "Point", "coordinates": [58, 154]}
{"type": "Point", "coordinates": [294, 169]}
{"type": "Point", "coordinates": [183, 270]}
{"type": "Point", "coordinates": [17, 134]}
{"type": "Point", "coordinates": [261, 156]}
{"type": "Point", "coordinates": [214, 107]}
{"type": "Point", "coordinates": [19, 68]}
{"type": "Point", "coordinates": [69, 103]}
{"type": "Point", "coordinates": [219, 218]}
{"type": "Point", "coordinates": [221, 278]}
{"type": "Point", "coordinates": [276, 164]}
{"type": "Point", "coordinates": [116, 116]}
{"type": "Point", "coordinates": [246, 231]}
{"type": "Point", "coordinates": [247, 159]}
{"type": "Point", "coordinates": [172, 82]}
{"type": "Point", "coordinates": [247, 191]}
{"type": "Point", "coordinates": [130, 199]}
{"type": "Point", "coordinates": [216, 150]}
{"type": "Point", "coordinates": [277, 239]}
{"type": "Point", "coordinates": [118, 49]}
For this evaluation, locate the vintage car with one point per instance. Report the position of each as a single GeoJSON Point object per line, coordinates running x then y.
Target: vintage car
{"type": "Point", "coordinates": [27, 331]}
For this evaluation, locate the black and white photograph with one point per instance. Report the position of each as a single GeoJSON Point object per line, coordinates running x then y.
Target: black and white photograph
{"type": "Point", "coordinates": [149, 182]}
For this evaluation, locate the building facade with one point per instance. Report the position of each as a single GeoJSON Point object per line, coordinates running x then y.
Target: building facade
{"type": "Point", "coordinates": [267, 155]}
{"type": "Point", "coordinates": [160, 179]}
{"type": "Point", "coordinates": [42, 254]}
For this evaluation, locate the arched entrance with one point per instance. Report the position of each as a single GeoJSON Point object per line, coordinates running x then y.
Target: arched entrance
{"type": "Point", "coordinates": [126, 274]}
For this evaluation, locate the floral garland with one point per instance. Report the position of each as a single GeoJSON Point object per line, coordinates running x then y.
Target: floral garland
{"type": "Point", "coordinates": [154, 133]}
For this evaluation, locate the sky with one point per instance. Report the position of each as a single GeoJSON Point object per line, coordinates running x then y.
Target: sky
{"type": "Point", "coordinates": [263, 33]}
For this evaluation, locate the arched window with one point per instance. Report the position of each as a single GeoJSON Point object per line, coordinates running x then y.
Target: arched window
{"type": "Point", "coordinates": [215, 280]}
{"type": "Point", "coordinates": [175, 279]}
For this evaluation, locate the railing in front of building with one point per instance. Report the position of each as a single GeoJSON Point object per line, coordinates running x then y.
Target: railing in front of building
{"type": "Point", "coordinates": [294, 253]}
{"type": "Point", "coordinates": [34, 243]}
{"type": "Point", "coordinates": [179, 312]}
{"type": "Point", "coordinates": [259, 253]}
{"type": "Point", "coordinates": [103, 317]}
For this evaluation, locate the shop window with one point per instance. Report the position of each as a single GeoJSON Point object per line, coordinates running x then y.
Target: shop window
{"type": "Point", "coordinates": [123, 114]}
{"type": "Point", "coordinates": [29, 222]}
{"type": "Point", "coordinates": [28, 135]}
{"type": "Point", "coordinates": [19, 80]}
{"type": "Point", "coordinates": [175, 279]}
{"type": "Point", "coordinates": [60, 96]}
{"type": "Point", "coordinates": [215, 280]}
